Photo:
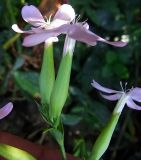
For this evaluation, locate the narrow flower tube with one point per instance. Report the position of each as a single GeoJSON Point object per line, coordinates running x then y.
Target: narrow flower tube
{"type": "Point", "coordinates": [61, 85]}
{"type": "Point", "coordinates": [47, 75]}
{"type": "Point", "coordinates": [123, 97]}
{"type": "Point", "coordinates": [103, 140]}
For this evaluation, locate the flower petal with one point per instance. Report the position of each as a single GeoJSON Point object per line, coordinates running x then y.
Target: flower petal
{"type": "Point", "coordinates": [135, 93]}
{"type": "Point", "coordinates": [38, 38]}
{"type": "Point", "coordinates": [32, 15]}
{"type": "Point", "coordinates": [65, 12]}
{"type": "Point", "coordinates": [117, 44]}
{"type": "Point", "coordinates": [18, 30]}
{"type": "Point", "coordinates": [131, 104]}
{"type": "Point", "coordinates": [103, 89]}
{"type": "Point", "coordinates": [4, 111]}
{"type": "Point", "coordinates": [80, 32]}
{"type": "Point", "coordinates": [113, 97]}
{"type": "Point", "coordinates": [57, 23]}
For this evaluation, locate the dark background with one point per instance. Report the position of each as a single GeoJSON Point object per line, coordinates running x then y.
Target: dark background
{"type": "Point", "coordinates": [85, 113]}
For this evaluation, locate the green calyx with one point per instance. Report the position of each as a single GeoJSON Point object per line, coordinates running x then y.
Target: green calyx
{"type": "Point", "coordinates": [47, 75]}
{"type": "Point", "coordinates": [104, 138]}
{"type": "Point", "coordinates": [60, 89]}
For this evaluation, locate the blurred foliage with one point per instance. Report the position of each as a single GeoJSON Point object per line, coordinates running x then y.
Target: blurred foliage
{"type": "Point", "coordinates": [85, 112]}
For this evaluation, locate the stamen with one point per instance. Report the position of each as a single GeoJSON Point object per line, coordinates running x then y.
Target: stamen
{"type": "Point", "coordinates": [121, 86]}
{"type": "Point", "coordinates": [84, 21]}
{"type": "Point", "coordinates": [45, 17]}
{"type": "Point", "coordinates": [125, 86]}
{"type": "Point", "coordinates": [50, 18]}
{"type": "Point", "coordinates": [78, 18]}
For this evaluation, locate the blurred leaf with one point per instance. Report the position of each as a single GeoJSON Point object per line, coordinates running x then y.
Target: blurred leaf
{"type": "Point", "coordinates": [70, 119]}
{"type": "Point", "coordinates": [107, 71]}
{"type": "Point", "coordinates": [111, 57]}
{"type": "Point", "coordinates": [121, 70]}
{"type": "Point", "coordinates": [100, 111]}
{"type": "Point", "coordinates": [19, 63]}
{"type": "Point", "coordinates": [106, 19]}
{"type": "Point", "coordinates": [79, 149]}
{"type": "Point", "coordinates": [28, 82]}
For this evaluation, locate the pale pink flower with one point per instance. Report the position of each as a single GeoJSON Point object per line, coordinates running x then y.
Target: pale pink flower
{"type": "Point", "coordinates": [62, 23]}
{"type": "Point", "coordinates": [5, 110]}
{"type": "Point", "coordinates": [130, 96]}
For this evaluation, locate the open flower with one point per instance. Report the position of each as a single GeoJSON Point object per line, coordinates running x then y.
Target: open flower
{"type": "Point", "coordinates": [63, 23]}
{"type": "Point", "coordinates": [4, 111]}
{"type": "Point", "coordinates": [129, 97]}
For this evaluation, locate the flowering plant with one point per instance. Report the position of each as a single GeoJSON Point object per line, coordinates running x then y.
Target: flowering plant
{"type": "Point", "coordinates": [54, 86]}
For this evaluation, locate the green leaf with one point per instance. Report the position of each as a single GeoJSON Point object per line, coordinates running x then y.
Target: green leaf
{"type": "Point", "coordinates": [28, 82]}
{"type": "Point", "coordinates": [111, 57]}
{"type": "Point", "coordinates": [70, 119]}
{"type": "Point", "coordinates": [121, 70]}
{"type": "Point", "coordinates": [79, 148]}
{"type": "Point", "coordinates": [19, 63]}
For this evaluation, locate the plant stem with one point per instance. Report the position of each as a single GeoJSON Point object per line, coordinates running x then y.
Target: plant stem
{"type": "Point", "coordinates": [63, 152]}
{"type": "Point", "coordinates": [58, 135]}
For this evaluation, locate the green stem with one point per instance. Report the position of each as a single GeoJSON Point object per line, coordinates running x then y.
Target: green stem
{"type": "Point", "coordinates": [63, 152]}
{"type": "Point", "coordinates": [58, 135]}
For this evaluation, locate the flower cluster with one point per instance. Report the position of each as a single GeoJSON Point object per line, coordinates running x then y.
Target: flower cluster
{"type": "Point", "coordinates": [63, 22]}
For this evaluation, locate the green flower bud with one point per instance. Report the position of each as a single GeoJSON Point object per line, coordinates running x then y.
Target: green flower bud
{"type": "Point", "coordinates": [12, 153]}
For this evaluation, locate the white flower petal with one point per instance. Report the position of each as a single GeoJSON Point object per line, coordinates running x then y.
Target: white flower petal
{"type": "Point", "coordinates": [16, 28]}
{"type": "Point", "coordinates": [131, 104]}
{"type": "Point", "coordinates": [4, 111]}
{"type": "Point", "coordinates": [65, 12]}
{"type": "Point", "coordinates": [103, 89]}
{"type": "Point", "coordinates": [135, 93]}
{"type": "Point", "coordinates": [57, 23]}
{"type": "Point", "coordinates": [117, 44]}
{"type": "Point", "coordinates": [32, 15]}
{"type": "Point", "coordinates": [80, 32]}
{"type": "Point", "coordinates": [38, 38]}
{"type": "Point", "coordinates": [52, 39]}
{"type": "Point", "coordinates": [113, 97]}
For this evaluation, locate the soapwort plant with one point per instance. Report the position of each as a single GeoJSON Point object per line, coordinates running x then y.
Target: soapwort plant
{"type": "Point", "coordinates": [54, 86]}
